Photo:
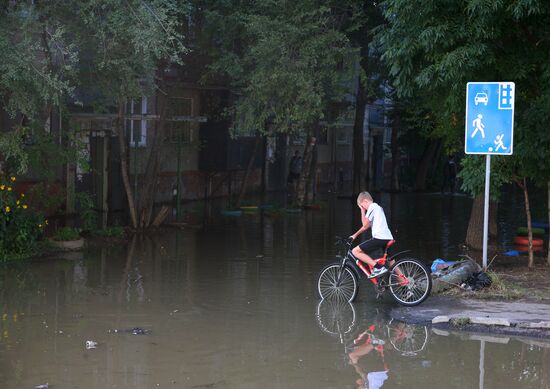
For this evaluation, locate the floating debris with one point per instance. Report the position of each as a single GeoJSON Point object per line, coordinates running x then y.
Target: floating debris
{"type": "Point", "coordinates": [132, 331]}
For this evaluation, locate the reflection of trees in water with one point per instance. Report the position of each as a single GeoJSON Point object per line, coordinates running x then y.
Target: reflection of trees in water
{"type": "Point", "coordinates": [80, 277]}
{"type": "Point", "coordinates": [18, 283]}
{"type": "Point", "coordinates": [134, 281]}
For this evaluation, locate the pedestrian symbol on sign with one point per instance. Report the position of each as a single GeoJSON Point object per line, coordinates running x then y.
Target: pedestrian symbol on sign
{"type": "Point", "coordinates": [478, 126]}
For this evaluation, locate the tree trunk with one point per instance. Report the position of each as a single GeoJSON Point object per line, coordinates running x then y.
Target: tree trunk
{"type": "Point", "coordinates": [474, 235]}
{"type": "Point", "coordinates": [395, 157]}
{"type": "Point", "coordinates": [150, 183]}
{"type": "Point", "coordinates": [265, 166]}
{"type": "Point", "coordinates": [306, 169]}
{"type": "Point", "coordinates": [124, 163]}
{"type": "Point", "coordinates": [425, 163]}
{"type": "Point", "coordinates": [248, 170]}
{"type": "Point", "coordinates": [493, 221]}
{"type": "Point", "coordinates": [312, 177]}
{"type": "Point", "coordinates": [358, 141]}
{"type": "Point", "coordinates": [548, 256]}
{"type": "Point", "coordinates": [523, 185]}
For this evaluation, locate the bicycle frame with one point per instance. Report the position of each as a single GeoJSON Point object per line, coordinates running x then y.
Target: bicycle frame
{"type": "Point", "coordinates": [362, 269]}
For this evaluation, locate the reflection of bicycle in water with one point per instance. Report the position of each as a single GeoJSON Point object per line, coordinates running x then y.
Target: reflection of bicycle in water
{"type": "Point", "coordinates": [408, 280]}
{"type": "Point", "coordinates": [339, 318]}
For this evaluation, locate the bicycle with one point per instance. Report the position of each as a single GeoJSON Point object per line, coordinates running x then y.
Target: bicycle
{"type": "Point", "coordinates": [338, 318]}
{"type": "Point", "coordinates": [408, 280]}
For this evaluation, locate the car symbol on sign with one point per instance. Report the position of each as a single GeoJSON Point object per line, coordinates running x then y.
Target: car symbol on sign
{"type": "Point", "coordinates": [481, 98]}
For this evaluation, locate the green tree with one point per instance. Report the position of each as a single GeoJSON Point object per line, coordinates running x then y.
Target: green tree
{"type": "Point", "coordinates": [285, 61]}
{"type": "Point", "coordinates": [109, 50]}
{"type": "Point", "coordinates": [129, 46]}
{"type": "Point", "coordinates": [434, 48]}
{"type": "Point", "coordinates": [37, 74]}
{"type": "Point", "coordinates": [359, 21]}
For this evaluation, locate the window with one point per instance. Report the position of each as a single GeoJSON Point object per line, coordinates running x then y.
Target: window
{"type": "Point", "coordinates": [376, 117]}
{"type": "Point", "coordinates": [137, 129]}
{"type": "Point", "coordinates": [180, 110]}
{"type": "Point", "coordinates": [343, 136]}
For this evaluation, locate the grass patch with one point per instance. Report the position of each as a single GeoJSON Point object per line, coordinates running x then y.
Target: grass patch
{"type": "Point", "coordinates": [110, 232]}
{"type": "Point", "coordinates": [42, 247]}
{"type": "Point", "coordinates": [460, 321]}
{"type": "Point", "coordinates": [66, 234]}
{"type": "Point", "coordinates": [502, 287]}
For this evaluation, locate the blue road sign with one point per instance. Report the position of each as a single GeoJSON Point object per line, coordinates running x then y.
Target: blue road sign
{"type": "Point", "coordinates": [490, 118]}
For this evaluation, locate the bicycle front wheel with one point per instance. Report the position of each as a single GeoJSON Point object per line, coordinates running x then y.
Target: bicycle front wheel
{"type": "Point", "coordinates": [336, 285]}
{"type": "Point", "coordinates": [336, 317]}
{"type": "Point", "coordinates": [410, 282]}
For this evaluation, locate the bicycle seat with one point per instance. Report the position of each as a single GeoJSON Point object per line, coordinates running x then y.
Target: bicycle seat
{"type": "Point", "coordinates": [390, 243]}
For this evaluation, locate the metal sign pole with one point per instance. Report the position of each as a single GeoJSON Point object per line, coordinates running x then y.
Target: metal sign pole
{"type": "Point", "coordinates": [481, 364]}
{"type": "Point", "coordinates": [486, 210]}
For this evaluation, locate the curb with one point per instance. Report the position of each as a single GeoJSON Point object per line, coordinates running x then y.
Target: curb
{"type": "Point", "coordinates": [68, 245]}
{"type": "Point", "coordinates": [541, 325]}
{"type": "Point", "coordinates": [489, 321]}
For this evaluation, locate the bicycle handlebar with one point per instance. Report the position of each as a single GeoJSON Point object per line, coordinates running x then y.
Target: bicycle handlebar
{"type": "Point", "coordinates": [343, 241]}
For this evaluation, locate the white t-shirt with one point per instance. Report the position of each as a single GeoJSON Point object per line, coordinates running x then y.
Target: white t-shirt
{"type": "Point", "coordinates": [379, 225]}
{"type": "Point", "coordinates": [376, 379]}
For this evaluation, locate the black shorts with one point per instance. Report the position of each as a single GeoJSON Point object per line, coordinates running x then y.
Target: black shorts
{"type": "Point", "coordinates": [373, 246]}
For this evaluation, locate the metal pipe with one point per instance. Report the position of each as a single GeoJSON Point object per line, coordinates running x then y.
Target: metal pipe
{"type": "Point", "coordinates": [486, 210]}
{"type": "Point", "coordinates": [178, 186]}
{"type": "Point", "coordinates": [135, 165]}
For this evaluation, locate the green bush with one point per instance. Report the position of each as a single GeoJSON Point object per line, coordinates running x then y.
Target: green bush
{"type": "Point", "coordinates": [66, 233]}
{"type": "Point", "coordinates": [20, 227]}
{"type": "Point", "coordinates": [46, 197]}
{"type": "Point", "coordinates": [88, 214]}
{"type": "Point", "coordinates": [110, 232]}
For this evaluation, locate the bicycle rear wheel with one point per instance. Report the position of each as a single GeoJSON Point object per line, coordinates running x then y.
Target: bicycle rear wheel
{"type": "Point", "coordinates": [410, 282]}
{"type": "Point", "coordinates": [333, 285]}
{"type": "Point", "coordinates": [408, 339]}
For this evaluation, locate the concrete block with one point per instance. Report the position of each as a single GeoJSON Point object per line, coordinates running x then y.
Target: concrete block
{"type": "Point", "coordinates": [540, 325]}
{"type": "Point", "coordinates": [490, 321]}
{"type": "Point", "coordinates": [491, 338]}
{"type": "Point", "coordinates": [440, 319]}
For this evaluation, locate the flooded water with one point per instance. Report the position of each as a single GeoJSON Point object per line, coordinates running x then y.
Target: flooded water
{"type": "Point", "coordinates": [231, 304]}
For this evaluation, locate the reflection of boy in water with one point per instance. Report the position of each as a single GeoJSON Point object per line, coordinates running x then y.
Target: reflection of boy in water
{"type": "Point", "coordinates": [372, 380]}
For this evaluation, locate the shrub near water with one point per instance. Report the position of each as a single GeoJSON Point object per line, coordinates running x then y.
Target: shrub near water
{"type": "Point", "coordinates": [20, 227]}
{"type": "Point", "coordinates": [66, 234]}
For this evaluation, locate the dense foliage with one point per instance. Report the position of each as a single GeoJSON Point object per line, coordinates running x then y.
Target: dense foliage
{"type": "Point", "coordinates": [286, 61]}
{"type": "Point", "coordinates": [433, 48]}
{"type": "Point", "coordinates": [61, 54]}
{"type": "Point", "coordinates": [20, 227]}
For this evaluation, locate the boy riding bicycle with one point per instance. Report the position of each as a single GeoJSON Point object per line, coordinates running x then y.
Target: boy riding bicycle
{"type": "Point", "coordinates": [373, 217]}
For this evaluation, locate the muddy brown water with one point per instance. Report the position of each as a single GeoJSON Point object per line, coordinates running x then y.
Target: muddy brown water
{"type": "Point", "coordinates": [231, 304]}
